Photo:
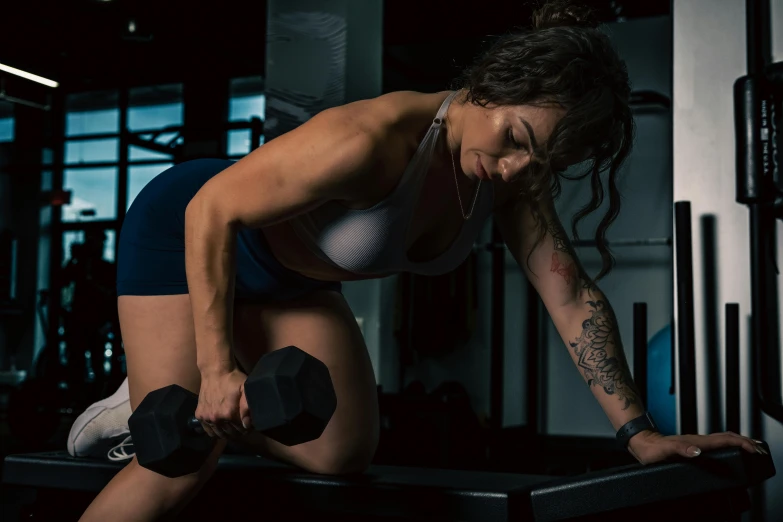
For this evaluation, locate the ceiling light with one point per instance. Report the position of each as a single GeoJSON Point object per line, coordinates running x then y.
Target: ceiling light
{"type": "Point", "coordinates": [29, 76]}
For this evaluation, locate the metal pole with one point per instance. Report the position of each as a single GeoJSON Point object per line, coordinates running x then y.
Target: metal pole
{"type": "Point", "coordinates": [732, 368]}
{"type": "Point", "coordinates": [498, 327]}
{"type": "Point", "coordinates": [640, 349]}
{"type": "Point", "coordinates": [685, 318]}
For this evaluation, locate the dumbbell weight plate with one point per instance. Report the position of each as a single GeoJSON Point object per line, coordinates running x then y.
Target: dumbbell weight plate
{"type": "Point", "coordinates": [291, 396]}
{"type": "Point", "coordinates": [162, 436]}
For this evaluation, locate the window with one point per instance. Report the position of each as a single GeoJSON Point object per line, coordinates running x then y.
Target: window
{"type": "Point", "coordinates": [93, 194]}
{"type": "Point", "coordinates": [92, 122]}
{"type": "Point", "coordinates": [152, 109]}
{"type": "Point", "coordinates": [94, 112]}
{"type": "Point", "coordinates": [6, 122]}
{"type": "Point", "coordinates": [246, 107]}
{"type": "Point", "coordinates": [155, 107]}
{"type": "Point", "coordinates": [92, 125]}
{"type": "Point", "coordinates": [139, 153]}
{"type": "Point", "coordinates": [6, 130]}
{"type": "Point", "coordinates": [139, 176]}
{"type": "Point", "coordinates": [92, 146]}
{"type": "Point", "coordinates": [154, 117]}
{"type": "Point", "coordinates": [247, 101]}
{"type": "Point", "coordinates": [92, 151]}
{"type": "Point", "coordinates": [73, 237]}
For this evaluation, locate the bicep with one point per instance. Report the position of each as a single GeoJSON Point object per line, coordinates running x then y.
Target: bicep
{"type": "Point", "coordinates": [324, 158]}
{"type": "Point", "coordinates": [548, 260]}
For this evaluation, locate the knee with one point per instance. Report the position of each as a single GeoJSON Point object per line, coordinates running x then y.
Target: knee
{"type": "Point", "coordinates": [348, 460]}
{"type": "Point", "coordinates": [181, 487]}
{"type": "Point", "coordinates": [340, 465]}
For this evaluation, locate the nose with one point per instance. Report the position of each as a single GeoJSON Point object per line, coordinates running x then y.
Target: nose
{"type": "Point", "coordinates": [510, 167]}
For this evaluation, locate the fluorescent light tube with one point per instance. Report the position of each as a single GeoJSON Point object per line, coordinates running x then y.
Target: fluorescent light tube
{"type": "Point", "coordinates": [29, 76]}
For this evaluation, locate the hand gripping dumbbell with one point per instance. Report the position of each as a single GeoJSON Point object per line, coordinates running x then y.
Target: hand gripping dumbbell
{"type": "Point", "coordinates": [291, 399]}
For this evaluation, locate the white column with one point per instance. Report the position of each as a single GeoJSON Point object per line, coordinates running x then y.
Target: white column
{"type": "Point", "coordinates": [709, 55]}
{"type": "Point", "coordinates": [322, 54]}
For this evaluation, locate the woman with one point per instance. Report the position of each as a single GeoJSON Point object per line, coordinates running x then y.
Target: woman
{"type": "Point", "coordinates": [221, 262]}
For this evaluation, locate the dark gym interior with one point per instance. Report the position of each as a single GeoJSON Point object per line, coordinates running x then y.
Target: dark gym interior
{"type": "Point", "coordinates": [481, 414]}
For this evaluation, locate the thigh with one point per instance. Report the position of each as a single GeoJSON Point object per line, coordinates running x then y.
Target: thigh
{"type": "Point", "coordinates": [160, 349]}
{"type": "Point", "coordinates": [159, 341]}
{"type": "Point", "coordinates": [323, 325]}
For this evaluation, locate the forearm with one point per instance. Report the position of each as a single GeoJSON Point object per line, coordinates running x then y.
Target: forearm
{"type": "Point", "coordinates": [209, 265]}
{"type": "Point", "coordinates": [589, 329]}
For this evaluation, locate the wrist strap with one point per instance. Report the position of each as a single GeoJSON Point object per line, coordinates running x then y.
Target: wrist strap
{"type": "Point", "coordinates": [645, 422]}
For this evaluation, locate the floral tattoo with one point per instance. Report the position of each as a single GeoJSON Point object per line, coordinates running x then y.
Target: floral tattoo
{"type": "Point", "coordinates": [568, 271]}
{"type": "Point", "coordinates": [592, 350]}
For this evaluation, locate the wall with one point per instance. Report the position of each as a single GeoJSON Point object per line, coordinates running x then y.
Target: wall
{"type": "Point", "coordinates": [709, 55]}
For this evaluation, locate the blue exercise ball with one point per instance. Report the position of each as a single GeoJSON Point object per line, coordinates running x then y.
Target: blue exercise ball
{"type": "Point", "coordinates": [661, 402]}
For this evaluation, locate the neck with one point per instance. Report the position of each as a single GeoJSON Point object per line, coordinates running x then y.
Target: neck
{"type": "Point", "coordinates": [454, 123]}
{"type": "Point", "coordinates": [451, 149]}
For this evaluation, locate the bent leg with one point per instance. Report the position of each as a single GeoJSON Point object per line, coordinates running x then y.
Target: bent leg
{"type": "Point", "coordinates": [157, 332]}
{"type": "Point", "coordinates": [160, 350]}
{"type": "Point", "coordinates": [322, 325]}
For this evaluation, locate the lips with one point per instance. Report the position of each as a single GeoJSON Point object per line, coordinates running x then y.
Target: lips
{"type": "Point", "coordinates": [480, 172]}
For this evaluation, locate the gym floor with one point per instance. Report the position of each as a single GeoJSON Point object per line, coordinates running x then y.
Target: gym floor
{"type": "Point", "coordinates": [12, 445]}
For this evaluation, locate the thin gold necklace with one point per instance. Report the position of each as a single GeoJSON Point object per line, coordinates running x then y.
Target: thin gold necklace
{"type": "Point", "coordinates": [456, 182]}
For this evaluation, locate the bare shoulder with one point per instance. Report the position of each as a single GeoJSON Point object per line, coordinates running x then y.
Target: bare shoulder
{"type": "Point", "coordinates": [343, 153]}
{"type": "Point", "coordinates": [327, 157]}
{"type": "Point", "coordinates": [384, 115]}
{"type": "Point", "coordinates": [368, 136]}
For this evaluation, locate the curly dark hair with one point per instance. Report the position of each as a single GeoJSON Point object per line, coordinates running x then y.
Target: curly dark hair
{"type": "Point", "coordinates": [567, 61]}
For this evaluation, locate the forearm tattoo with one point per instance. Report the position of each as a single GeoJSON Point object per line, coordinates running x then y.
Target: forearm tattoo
{"type": "Point", "coordinates": [610, 372]}
{"type": "Point", "coordinates": [559, 236]}
{"type": "Point", "coordinates": [568, 271]}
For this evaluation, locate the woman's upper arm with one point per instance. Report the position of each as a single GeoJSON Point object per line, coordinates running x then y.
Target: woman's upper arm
{"type": "Point", "coordinates": [551, 265]}
{"type": "Point", "coordinates": [325, 158]}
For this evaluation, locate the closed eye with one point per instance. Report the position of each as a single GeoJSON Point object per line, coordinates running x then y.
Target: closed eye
{"type": "Point", "coordinates": [512, 140]}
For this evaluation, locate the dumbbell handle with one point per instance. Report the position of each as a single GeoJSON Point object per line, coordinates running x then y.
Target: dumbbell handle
{"type": "Point", "coordinates": [195, 425]}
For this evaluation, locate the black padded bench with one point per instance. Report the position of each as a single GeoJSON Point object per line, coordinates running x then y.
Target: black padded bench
{"type": "Point", "coordinates": [56, 486]}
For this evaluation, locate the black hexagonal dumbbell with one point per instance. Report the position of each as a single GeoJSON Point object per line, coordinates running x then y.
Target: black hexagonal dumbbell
{"type": "Point", "coordinates": [291, 399]}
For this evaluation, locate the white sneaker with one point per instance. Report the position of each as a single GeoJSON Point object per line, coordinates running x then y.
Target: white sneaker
{"type": "Point", "coordinates": [102, 426]}
{"type": "Point", "coordinates": [119, 453]}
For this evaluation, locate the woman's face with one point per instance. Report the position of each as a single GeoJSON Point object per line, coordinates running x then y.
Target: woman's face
{"type": "Point", "coordinates": [498, 142]}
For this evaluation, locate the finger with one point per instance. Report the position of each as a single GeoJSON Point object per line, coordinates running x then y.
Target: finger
{"type": "Point", "coordinates": [218, 429]}
{"type": "Point", "coordinates": [722, 440]}
{"type": "Point", "coordinates": [742, 437]}
{"type": "Point", "coordinates": [734, 439]}
{"type": "Point", "coordinates": [244, 411]}
{"type": "Point", "coordinates": [685, 448]}
{"type": "Point", "coordinates": [230, 430]}
{"type": "Point", "coordinates": [233, 429]}
{"type": "Point", "coordinates": [756, 443]}
{"type": "Point", "coordinates": [205, 424]}
{"type": "Point", "coordinates": [207, 429]}
{"type": "Point", "coordinates": [239, 429]}
{"type": "Point", "coordinates": [761, 446]}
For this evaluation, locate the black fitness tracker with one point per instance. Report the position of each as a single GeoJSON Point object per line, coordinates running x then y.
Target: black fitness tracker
{"type": "Point", "coordinates": [645, 422]}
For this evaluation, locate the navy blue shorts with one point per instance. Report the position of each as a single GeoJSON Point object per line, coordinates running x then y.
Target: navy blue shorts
{"type": "Point", "coordinates": [151, 259]}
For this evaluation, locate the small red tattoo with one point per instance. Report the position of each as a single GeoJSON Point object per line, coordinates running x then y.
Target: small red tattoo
{"type": "Point", "coordinates": [567, 271]}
